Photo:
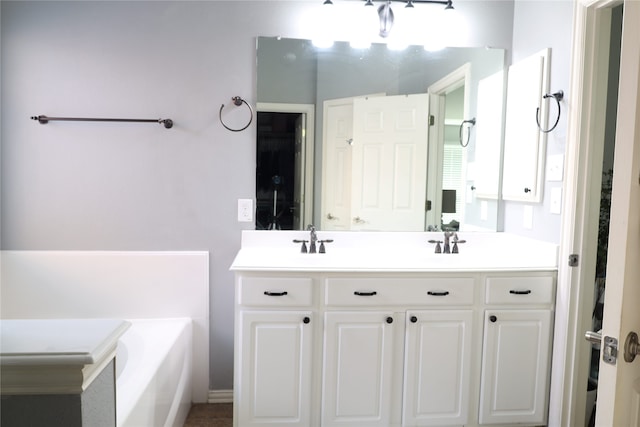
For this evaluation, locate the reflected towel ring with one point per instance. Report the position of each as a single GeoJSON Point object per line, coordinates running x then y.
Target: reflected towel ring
{"type": "Point", "coordinates": [238, 102]}
{"type": "Point", "coordinates": [558, 96]}
{"type": "Point", "coordinates": [473, 123]}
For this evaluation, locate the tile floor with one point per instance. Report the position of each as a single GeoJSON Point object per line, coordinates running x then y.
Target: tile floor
{"type": "Point", "coordinates": [210, 415]}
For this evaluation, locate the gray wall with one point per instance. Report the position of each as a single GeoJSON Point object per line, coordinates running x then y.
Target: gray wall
{"type": "Point", "coordinates": [90, 186]}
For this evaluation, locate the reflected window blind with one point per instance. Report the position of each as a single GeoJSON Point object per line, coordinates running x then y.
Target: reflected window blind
{"type": "Point", "coordinates": [452, 176]}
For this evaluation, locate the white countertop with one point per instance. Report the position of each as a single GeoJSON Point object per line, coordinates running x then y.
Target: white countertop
{"type": "Point", "coordinates": [40, 356]}
{"type": "Point", "coordinates": [392, 252]}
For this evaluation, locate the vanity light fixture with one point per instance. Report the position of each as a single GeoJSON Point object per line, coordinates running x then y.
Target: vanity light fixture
{"type": "Point", "coordinates": [386, 15]}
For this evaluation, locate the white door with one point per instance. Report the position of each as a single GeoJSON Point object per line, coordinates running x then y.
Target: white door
{"type": "Point", "coordinates": [360, 364]}
{"type": "Point", "coordinates": [437, 368]}
{"type": "Point", "coordinates": [389, 163]}
{"type": "Point", "coordinates": [619, 385]}
{"type": "Point", "coordinates": [515, 366]}
{"type": "Point", "coordinates": [336, 164]}
{"type": "Point", "coordinates": [275, 382]}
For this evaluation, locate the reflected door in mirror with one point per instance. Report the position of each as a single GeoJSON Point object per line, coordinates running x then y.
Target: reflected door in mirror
{"type": "Point", "coordinates": [388, 164]}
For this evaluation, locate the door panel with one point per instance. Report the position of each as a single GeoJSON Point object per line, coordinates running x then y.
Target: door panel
{"type": "Point", "coordinates": [336, 175]}
{"type": "Point", "coordinates": [619, 384]}
{"type": "Point", "coordinates": [437, 368]}
{"type": "Point", "coordinates": [276, 350]}
{"type": "Point", "coordinates": [515, 366]}
{"type": "Point", "coordinates": [360, 364]}
{"type": "Point", "coordinates": [389, 174]}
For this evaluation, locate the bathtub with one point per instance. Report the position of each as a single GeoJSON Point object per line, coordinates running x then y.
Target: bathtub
{"type": "Point", "coordinates": [153, 373]}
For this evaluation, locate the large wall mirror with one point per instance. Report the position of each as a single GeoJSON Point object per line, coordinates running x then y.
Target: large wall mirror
{"type": "Point", "coordinates": [378, 139]}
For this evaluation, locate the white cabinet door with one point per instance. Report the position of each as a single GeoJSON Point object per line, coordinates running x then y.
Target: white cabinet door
{"type": "Point", "coordinates": [515, 366]}
{"type": "Point", "coordinates": [437, 368]}
{"type": "Point", "coordinates": [275, 355]}
{"type": "Point", "coordinates": [362, 364]}
{"type": "Point", "coordinates": [524, 145]}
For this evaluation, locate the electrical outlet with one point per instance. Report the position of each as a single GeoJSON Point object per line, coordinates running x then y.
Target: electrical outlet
{"type": "Point", "coordinates": [245, 210]}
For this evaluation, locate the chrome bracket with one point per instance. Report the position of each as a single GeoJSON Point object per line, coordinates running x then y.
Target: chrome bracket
{"type": "Point", "coordinates": [610, 350]}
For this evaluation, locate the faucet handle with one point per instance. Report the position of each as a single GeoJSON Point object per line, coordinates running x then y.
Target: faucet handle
{"type": "Point", "coordinates": [438, 247]}
{"type": "Point", "coordinates": [322, 242]}
{"type": "Point", "coordinates": [303, 249]}
{"type": "Point", "coordinates": [454, 249]}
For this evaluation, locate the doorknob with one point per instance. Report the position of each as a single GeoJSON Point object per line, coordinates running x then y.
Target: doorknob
{"type": "Point", "coordinates": [358, 220]}
{"type": "Point", "coordinates": [631, 347]}
{"type": "Point", "coordinates": [593, 337]}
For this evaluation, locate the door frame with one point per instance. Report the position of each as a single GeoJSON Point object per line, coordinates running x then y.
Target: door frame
{"type": "Point", "coordinates": [437, 91]}
{"type": "Point", "coordinates": [308, 149]}
{"type": "Point", "coordinates": [580, 209]}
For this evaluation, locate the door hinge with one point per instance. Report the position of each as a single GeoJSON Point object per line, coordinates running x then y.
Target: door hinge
{"type": "Point", "coordinates": [427, 205]}
{"type": "Point", "coordinates": [432, 120]}
{"type": "Point", "coordinates": [574, 260]}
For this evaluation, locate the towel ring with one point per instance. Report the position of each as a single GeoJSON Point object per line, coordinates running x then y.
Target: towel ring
{"type": "Point", "coordinates": [473, 123]}
{"type": "Point", "coordinates": [238, 102]}
{"type": "Point", "coordinates": [558, 97]}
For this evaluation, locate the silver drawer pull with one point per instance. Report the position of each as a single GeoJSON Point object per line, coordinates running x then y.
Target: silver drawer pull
{"type": "Point", "coordinates": [365, 294]}
{"type": "Point", "coordinates": [438, 293]}
{"type": "Point", "coordinates": [275, 294]}
{"type": "Point", "coordinates": [514, 292]}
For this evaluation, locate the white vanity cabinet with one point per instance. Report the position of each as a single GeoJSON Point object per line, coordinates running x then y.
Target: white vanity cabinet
{"type": "Point", "coordinates": [397, 349]}
{"type": "Point", "coordinates": [516, 349]}
{"type": "Point", "coordinates": [350, 348]}
{"type": "Point", "coordinates": [362, 361]}
{"type": "Point", "coordinates": [437, 377]}
{"type": "Point", "coordinates": [275, 334]}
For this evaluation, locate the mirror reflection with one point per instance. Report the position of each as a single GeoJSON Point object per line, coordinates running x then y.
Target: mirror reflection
{"type": "Point", "coordinates": [377, 139]}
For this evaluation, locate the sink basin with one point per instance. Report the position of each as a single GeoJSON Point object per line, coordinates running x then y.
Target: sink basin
{"type": "Point", "coordinates": [275, 251]}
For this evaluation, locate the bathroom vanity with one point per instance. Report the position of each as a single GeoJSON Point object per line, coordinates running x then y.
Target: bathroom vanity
{"type": "Point", "coordinates": [382, 331]}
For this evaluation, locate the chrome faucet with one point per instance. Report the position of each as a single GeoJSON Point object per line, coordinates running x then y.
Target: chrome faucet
{"type": "Point", "coordinates": [447, 247]}
{"type": "Point", "coordinates": [313, 238]}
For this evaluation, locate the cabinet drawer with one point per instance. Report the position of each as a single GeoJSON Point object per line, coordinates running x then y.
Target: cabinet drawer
{"type": "Point", "coordinates": [520, 290]}
{"type": "Point", "coordinates": [374, 292]}
{"type": "Point", "coordinates": [275, 291]}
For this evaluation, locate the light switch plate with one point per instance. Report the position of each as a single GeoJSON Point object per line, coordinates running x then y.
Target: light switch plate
{"type": "Point", "coordinates": [556, 200]}
{"type": "Point", "coordinates": [484, 208]}
{"type": "Point", "coordinates": [555, 167]}
{"type": "Point", "coordinates": [245, 210]}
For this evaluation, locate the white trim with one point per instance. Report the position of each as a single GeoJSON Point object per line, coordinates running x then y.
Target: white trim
{"type": "Point", "coordinates": [220, 396]}
{"type": "Point", "coordinates": [581, 188]}
{"type": "Point", "coordinates": [452, 81]}
{"type": "Point", "coordinates": [309, 148]}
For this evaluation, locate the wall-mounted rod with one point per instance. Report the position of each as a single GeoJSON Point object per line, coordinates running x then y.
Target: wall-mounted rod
{"type": "Point", "coordinates": [168, 123]}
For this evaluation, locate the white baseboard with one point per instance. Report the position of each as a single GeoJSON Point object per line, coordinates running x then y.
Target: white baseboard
{"type": "Point", "coordinates": [220, 396]}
